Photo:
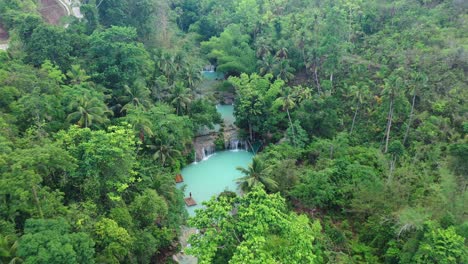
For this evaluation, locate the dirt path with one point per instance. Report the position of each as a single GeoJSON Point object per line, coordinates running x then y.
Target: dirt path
{"type": "Point", "coordinates": [65, 6]}
{"type": "Point", "coordinates": [3, 38]}
{"type": "Point", "coordinates": [3, 33]}
{"type": "Point", "coordinates": [180, 257]}
{"type": "Point", "coordinates": [54, 10]}
{"type": "Point", "coordinates": [74, 5]}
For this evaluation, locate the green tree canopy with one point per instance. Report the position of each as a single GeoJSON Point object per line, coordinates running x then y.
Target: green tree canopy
{"type": "Point", "coordinates": [255, 228]}
{"type": "Point", "coordinates": [106, 163]}
{"type": "Point", "coordinates": [118, 60]}
{"type": "Point", "coordinates": [231, 51]}
{"type": "Point", "coordinates": [51, 241]}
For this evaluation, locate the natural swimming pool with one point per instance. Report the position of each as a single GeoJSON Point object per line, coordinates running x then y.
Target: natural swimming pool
{"type": "Point", "coordinates": [212, 75]}
{"type": "Point", "coordinates": [216, 173]}
{"type": "Point", "coordinates": [213, 175]}
{"type": "Point", "coordinates": [227, 113]}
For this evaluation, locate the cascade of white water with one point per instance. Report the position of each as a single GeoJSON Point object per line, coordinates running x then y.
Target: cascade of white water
{"type": "Point", "coordinates": [234, 144]}
{"type": "Point", "coordinates": [208, 151]}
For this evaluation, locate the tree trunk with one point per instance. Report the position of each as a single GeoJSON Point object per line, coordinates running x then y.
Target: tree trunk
{"type": "Point", "coordinates": [331, 81]}
{"type": "Point", "coordinates": [292, 127]}
{"type": "Point", "coordinates": [97, 6]}
{"type": "Point", "coordinates": [410, 119]}
{"type": "Point", "coordinates": [319, 89]}
{"type": "Point", "coordinates": [350, 25]}
{"type": "Point", "coordinates": [354, 119]}
{"type": "Point", "coordinates": [392, 167]}
{"type": "Point", "coordinates": [36, 199]}
{"type": "Point", "coordinates": [389, 125]}
{"type": "Point", "coordinates": [304, 60]}
{"type": "Point", "coordinates": [250, 131]}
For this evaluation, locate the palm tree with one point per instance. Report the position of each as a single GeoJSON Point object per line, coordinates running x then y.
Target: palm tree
{"type": "Point", "coordinates": [177, 62]}
{"type": "Point", "coordinates": [263, 48]}
{"type": "Point", "coordinates": [77, 75]}
{"type": "Point", "coordinates": [282, 53]}
{"type": "Point", "coordinates": [302, 93]}
{"type": "Point", "coordinates": [88, 110]}
{"type": "Point", "coordinates": [283, 70]}
{"type": "Point", "coordinates": [420, 79]}
{"type": "Point", "coordinates": [191, 73]}
{"type": "Point", "coordinates": [166, 65]}
{"type": "Point", "coordinates": [391, 86]}
{"type": "Point", "coordinates": [160, 89]}
{"type": "Point", "coordinates": [140, 122]}
{"type": "Point", "coordinates": [164, 152]}
{"type": "Point", "coordinates": [8, 247]}
{"type": "Point", "coordinates": [136, 95]}
{"type": "Point", "coordinates": [358, 94]}
{"type": "Point", "coordinates": [181, 97]}
{"type": "Point", "coordinates": [267, 64]}
{"type": "Point", "coordinates": [288, 102]}
{"type": "Point", "coordinates": [255, 174]}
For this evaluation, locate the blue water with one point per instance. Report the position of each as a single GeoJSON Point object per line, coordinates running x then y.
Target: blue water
{"type": "Point", "coordinates": [213, 176]}
{"type": "Point", "coordinates": [227, 113]}
{"type": "Point", "coordinates": [212, 75]}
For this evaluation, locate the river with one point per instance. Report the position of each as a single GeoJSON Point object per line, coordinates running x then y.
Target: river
{"type": "Point", "coordinates": [214, 173]}
{"type": "Point", "coordinates": [217, 172]}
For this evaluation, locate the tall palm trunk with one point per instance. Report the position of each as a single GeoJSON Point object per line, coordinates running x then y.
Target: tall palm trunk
{"type": "Point", "coordinates": [389, 125]}
{"type": "Point", "coordinates": [354, 118]}
{"type": "Point", "coordinates": [410, 119]}
{"type": "Point", "coordinates": [142, 135]}
{"type": "Point", "coordinates": [292, 127]}
{"type": "Point", "coordinates": [305, 60]}
{"type": "Point", "coordinates": [392, 167]}
{"type": "Point", "coordinates": [319, 89]}
{"type": "Point", "coordinates": [36, 199]}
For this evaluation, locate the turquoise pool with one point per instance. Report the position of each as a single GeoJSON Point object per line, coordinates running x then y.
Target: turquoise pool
{"type": "Point", "coordinates": [227, 113]}
{"type": "Point", "coordinates": [213, 175]}
{"type": "Point", "coordinates": [212, 75]}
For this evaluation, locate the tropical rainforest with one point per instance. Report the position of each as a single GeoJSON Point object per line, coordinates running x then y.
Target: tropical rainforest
{"type": "Point", "coordinates": [360, 108]}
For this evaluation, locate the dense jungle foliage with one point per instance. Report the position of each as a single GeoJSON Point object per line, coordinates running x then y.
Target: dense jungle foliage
{"type": "Point", "coordinates": [360, 107]}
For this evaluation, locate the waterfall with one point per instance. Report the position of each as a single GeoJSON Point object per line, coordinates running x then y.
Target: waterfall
{"type": "Point", "coordinates": [236, 145]}
{"type": "Point", "coordinates": [195, 157]}
{"type": "Point", "coordinates": [208, 152]}
{"type": "Point", "coordinates": [209, 68]}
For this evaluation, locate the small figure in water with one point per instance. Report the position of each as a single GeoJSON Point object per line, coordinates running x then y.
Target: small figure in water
{"type": "Point", "coordinates": [190, 194]}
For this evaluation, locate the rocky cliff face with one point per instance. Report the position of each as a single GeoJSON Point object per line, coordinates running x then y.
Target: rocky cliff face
{"type": "Point", "coordinates": [205, 144]}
